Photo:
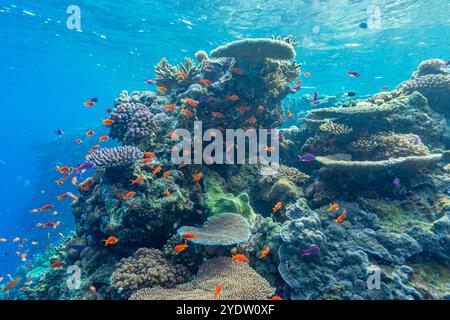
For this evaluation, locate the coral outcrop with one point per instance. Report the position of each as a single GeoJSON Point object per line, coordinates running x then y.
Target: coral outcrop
{"type": "Point", "coordinates": [115, 157]}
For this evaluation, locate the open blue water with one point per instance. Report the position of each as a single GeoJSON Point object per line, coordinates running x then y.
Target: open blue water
{"type": "Point", "coordinates": [47, 71]}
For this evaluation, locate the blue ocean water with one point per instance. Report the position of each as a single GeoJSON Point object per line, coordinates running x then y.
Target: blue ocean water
{"type": "Point", "coordinates": [48, 71]}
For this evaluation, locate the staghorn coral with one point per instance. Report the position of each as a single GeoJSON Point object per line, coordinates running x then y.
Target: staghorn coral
{"type": "Point", "coordinates": [115, 157]}
{"type": "Point", "coordinates": [166, 75]}
{"type": "Point", "coordinates": [255, 50]}
{"type": "Point", "coordinates": [335, 129]}
{"type": "Point", "coordinates": [220, 230]}
{"type": "Point", "coordinates": [147, 268]}
{"type": "Point", "coordinates": [132, 122]}
{"type": "Point", "coordinates": [239, 281]}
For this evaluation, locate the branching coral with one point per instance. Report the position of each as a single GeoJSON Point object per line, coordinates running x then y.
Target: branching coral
{"type": "Point", "coordinates": [147, 268]}
{"type": "Point", "coordinates": [220, 230]}
{"type": "Point", "coordinates": [166, 74]}
{"type": "Point", "coordinates": [363, 145]}
{"type": "Point", "coordinates": [115, 157]}
{"type": "Point", "coordinates": [239, 282]}
{"type": "Point", "coordinates": [255, 50]}
{"type": "Point", "coordinates": [335, 129]}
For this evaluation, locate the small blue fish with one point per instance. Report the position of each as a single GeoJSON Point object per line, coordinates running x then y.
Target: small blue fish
{"type": "Point", "coordinates": [95, 100]}
{"type": "Point", "coordinates": [363, 25]}
{"type": "Point", "coordinates": [59, 132]}
{"type": "Point", "coordinates": [150, 82]}
{"type": "Point", "coordinates": [396, 182]}
{"type": "Point", "coordinates": [315, 96]}
{"type": "Point", "coordinates": [306, 157]}
{"type": "Point", "coordinates": [415, 140]}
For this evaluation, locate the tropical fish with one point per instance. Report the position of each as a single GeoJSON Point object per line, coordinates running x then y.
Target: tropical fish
{"type": "Point", "coordinates": [351, 94]}
{"type": "Point", "coordinates": [217, 114]}
{"type": "Point", "coordinates": [3, 240]}
{"type": "Point", "coordinates": [186, 112]}
{"type": "Point", "coordinates": [396, 182]}
{"type": "Point", "coordinates": [89, 103]}
{"type": "Point", "coordinates": [169, 107]}
{"type": "Point", "coordinates": [298, 83]}
{"type": "Point", "coordinates": [243, 110]}
{"type": "Point", "coordinates": [341, 217]}
{"type": "Point", "coordinates": [157, 170]}
{"type": "Point", "coordinates": [275, 298]}
{"type": "Point", "coordinates": [59, 132]}
{"type": "Point", "coordinates": [74, 181]}
{"type": "Point", "coordinates": [90, 133]}
{"type": "Point", "coordinates": [353, 74]}
{"type": "Point", "coordinates": [252, 119]}
{"type": "Point", "coordinates": [315, 95]}
{"type": "Point", "coordinates": [306, 157]}
{"type": "Point", "coordinates": [181, 247]}
{"type": "Point", "coordinates": [11, 284]}
{"type": "Point", "coordinates": [384, 88]}
{"type": "Point", "coordinates": [34, 243]}
{"type": "Point", "coordinates": [191, 102]}
{"type": "Point", "coordinates": [270, 149]}
{"type": "Point", "coordinates": [311, 250]}
{"type": "Point", "coordinates": [197, 177]}
{"type": "Point", "coordinates": [277, 207]}
{"type": "Point", "coordinates": [415, 140]}
{"type": "Point", "coordinates": [333, 207]}
{"type": "Point", "coordinates": [240, 257]}
{"type": "Point", "coordinates": [290, 114]}
{"type": "Point", "coordinates": [34, 210]}
{"type": "Point", "coordinates": [206, 82]}
{"type": "Point", "coordinates": [149, 154]}
{"type": "Point", "coordinates": [182, 74]}
{"type": "Point", "coordinates": [363, 25]}
{"type": "Point", "coordinates": [264, 253]}
{"type": "Point", "coordinates": [260, 108]}
{"type": "Point", "coordinates": [78, 141]}
{"type": "Point", "coordinates": [62, 196]}
{"type": "Point", "coordinates": [56, 264]}
{"type": "Point", "coordinates": [103, 138]}
{"type": "Point", "coordinates": [16, 239]}
{"type": "Point", "coordinates": [95, 147]}
{"type": "Point", "coordinates": [147, 160]}
{"type": "Point", "coordinates": [128, 195]}
{"type": "Point", "coordinates": [74, 197]}
{"type": "Point", "coordinates": [162, 89]}
{"type": "Point", "coordinates": [46, 207]}
{"type": "Point", "coordinates": [23, 256]}
{"type": "Point", "coordinates": [137, 180]}
{"type": "Point", "coordinates": [233, 97]}
{"type": "Point", "coordinates": [307, 74]}
{"type": "Point", "coordinates": [110, 240]}
{"type": "Point", "coordinates": [218, 290]}
{"type": "Point", "coordinates": [190, 236]}
{"type": "Point", "coordinates": [84, 166]}
{"type": "Point", "coordinates": [237, 71]}
{"type": "Point", "coordinates": [150, 82]}
{"type": "Point", "coordinates": [166, 174]}
{"type": "Point", "coordinates": [107, 122]}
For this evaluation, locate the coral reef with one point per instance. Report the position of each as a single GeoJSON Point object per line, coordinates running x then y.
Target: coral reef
{"type": "Point", "coordinates": [335, 129]}
{"type": "Point", "coordinates": [239, 282]}
{"type": "Point", "coordinates": [223, 229]}
{"type": "Point", "coordinates": [145, 269]}
{"type": "Point", "coordinates": [115, 157]}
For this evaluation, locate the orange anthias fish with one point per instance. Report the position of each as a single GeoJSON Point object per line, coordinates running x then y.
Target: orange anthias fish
{"type": "Point", "coordinates": [89, 103]}
{"type": "Point", "coordinates": [290, 114]}
{"type": "Point", "coordinates": [206, 82]}
{"type": "Point", "coordinates": [74, 181]}
{"type": "Point", "coordinates": [62, 196]}
{"type": "Point", "coordinates": [307, 74]}
{"type": "Point", "coordinates": [182, 74]}
{"type": "Point", "coordinates": [129, 195]}
{"type": "Point", "coordinates": [240, 257]}
{"type": "Point", "coordinates": [277, 207]}
{"type": "Point", "coordinates": [181, 247]}
{"type": "Point", "coordinates": [46, 207]}
{"type": "Point", "coordinates": [197, 177]}
{"type": "Point", "coordinates": [74, 197]}
{"type": "Point", "coordinates": [103, 138]}
{"type": "Point", "coordinates": [107, 122]}
{"type": "Point", "coordinates": [162, 89]}
{"type": "Point", "coordinates": [191, 102]}
{"type": "Point", "coordinates": [166, 174]}
{"type": "Point", "coordinates": [56, 264]}
{"type": "Point", "coordinates": [137, 180]}
{"type": "Point", "coordinates": [233, 97]}
{"type": "Point", "coordinates": [270, 149]}
{"type": "Point", "coordinates": [275, 298]}
{"type": "Point", "coordinates": [149, 154]}
{"type": "Point", "coordinates": [78, 141]}
{"type": "Point", "coordinates": [187, 112]}
{"type": "Point", "coordinates": [299, 82]}
{"type": "Point", "coordinates": [217, 114]}
{"type": "Point", "coordinates": [172, 134]}
{"type": "Point", "coordinates": [34, 210]}
{"type": "Point", "coordinates": [190, 236]}
{"type": "Point", "coordinates": [218, 290]}
{"type": "Point", "coordinates": [243, 110]}
{"type": "Point", "coordinates": [341, 217]}
{"type": "Point", "coordinates": [95, 147]}
{"type": "Point", "coordinates": [333, 207]}
{"type": "Point", "coordinates": [90, 133]}
{"type": "Point", "coordinates": [264, 253]}
{"type": "Point", "coordinates": [157, 170]}
{"type": "Point", "coordinates": [110, 240]}
{"type": "Point", "coordinates": [169, 107]}
{"type": "Point", "coordinates": [11, 284]}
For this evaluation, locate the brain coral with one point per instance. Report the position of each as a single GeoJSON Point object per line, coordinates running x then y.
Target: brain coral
{"type": "Point", "coordinates": [239, 280]}
{"type": "Point", "coordinates": [147, 268]}
{"type": "Point", "coordinates": [115, 157]}
{"type": "Point", "coordinates": [255, 50]}
{"type": "Point", "coordinates": [220, 230]}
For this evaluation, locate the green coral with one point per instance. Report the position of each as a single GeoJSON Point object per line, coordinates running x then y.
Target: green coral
{"type": "Point", "coordinates": [218, 201]}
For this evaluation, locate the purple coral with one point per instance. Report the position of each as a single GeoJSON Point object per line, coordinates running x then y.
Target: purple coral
{"type": "Point", "coordinates": [115, 157]}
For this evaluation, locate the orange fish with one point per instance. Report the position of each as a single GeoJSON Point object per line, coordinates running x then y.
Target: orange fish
{"type": "Point", "coordinates": [162, 89]}
{"type": "Point", "coordinates": [307, 74]}
{"type": "Point", "coordinates": [187, 112]}
{"type": "Point", "coordinates": [341, 217]}
{"type": "Point", "coordinates": [56, 264]}
{"type": "Point", "coordinates": [95, 147]}
{"type": "Point", "coordinates": [23, 257]}
{"type": "Point", "coordinates": [149, 154]}
{"type": "Point", "coordinates": [16, 239]}
{"type": "Point", "coordinates": [137, 180]}
{"type": "Point", "coordinates": [11, 284]}
{"type": "Point", "coordinates": [240, 257]}
{"type": "Point", "coordinates": [233, 97]}
{"type": "Point", "coordinates": [182, 74]}
{"type": "Point", "coordinates": [275, 298]}
{"type": "Point", "coordinates": [333, 207]}
{"type": "Point", "coordinates": [206, 82]}
{"type": "Point", "coordinates": [299, 82]}
{"type": "Point", "coordinates": [172, 134]}
{"type": "Point", "coordinates": [197, 177]}
{"type": "Point", "coordinates": [34, 243]}
{"type": "Point", "coordinates": [243, 110]}
{"type": "Point", "coordinates": [264, 253]}
{"type": "Point", "coordinates": [157, 170]}
{"type": "Point", "coordinates": [260, 108]}
{"type": "Point", "coordinates": [46, 207]}
{"type": "Point", "coordinates": [277, 207]}
{"type": "Point", "coordinates": [166, 174]}
{"type": "Point", "coordinates": [181, 247]}
{"type": "Point", "coordinates": [59, 182]}
{"type": "Point", "coordinates": [110, 240]}
{"type": "Point", "coordinates": [74, 197]}
{"type": "Point", "coordinates": [290, 114]}
{"type": "Point", "coordinates": [169, 107]}
{"type": "Point", "coordinates": [190, 236]}
{"type": "Point", "coordinates": [89, 103]}
{"type": "Point", "coordinates": [74, 181]}
{"type": "Point", "coordinates": [129, 195]}
{"type": "Point", "coordinates": [107, 122]}
{"type": "Point", "coordinates": [270, 149]}
{"type": "Point", "coordinates": [90, 133]}
{"type": "Point", "coordinates": [191, 102]}
{"type": "Point", "coordinates": [147, 160]}
{"type": "Point", "coordinates": [251, 119]}
{"type": "Point", "coordinates": [218, 290]}
{"type": "Point", "coordinates": [64, 169]}
{"type": "Point", "coordinates": [34, 210]}
{"type": "Point", "coordinates": [103, 138]}
{"type": "Point", "coordinates": [78, 141]}
{"type": "Point", "coordinates": [62, 196]}
{"type": "Point", "coordinates": [217, 114]}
